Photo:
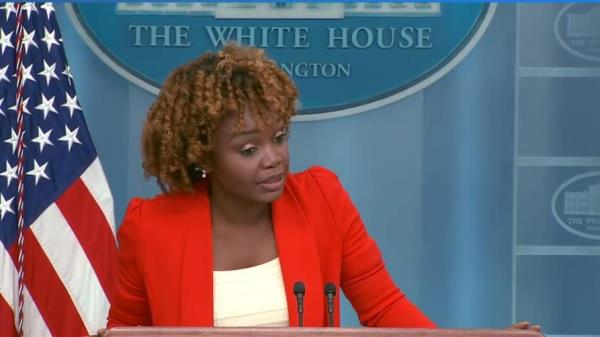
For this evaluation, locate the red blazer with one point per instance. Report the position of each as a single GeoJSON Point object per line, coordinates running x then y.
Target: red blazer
{"type": "Point", "coordinates": [165, 258]}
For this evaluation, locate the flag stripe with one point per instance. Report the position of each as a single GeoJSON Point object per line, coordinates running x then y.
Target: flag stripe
{"type": "Point", "coordinates": [9, 277]}
{"type": "Point", "coordinates": [95, 181]}
{"type": "Point", "coordinates": [70, 263]}
{"type": "Point", "coordinates": [7, 294]}
{"type": "Point", "coordinates": [7, 320]}
{"type": "Point", "coordinates": [93, 233]}
{"type": "Point", "coordinates": [48, 293]}
{"type": "Point", "coordinates": [35, 324]}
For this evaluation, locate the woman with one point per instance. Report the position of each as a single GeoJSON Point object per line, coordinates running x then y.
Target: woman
{"type": "Point", "coordinates": [235, 231]}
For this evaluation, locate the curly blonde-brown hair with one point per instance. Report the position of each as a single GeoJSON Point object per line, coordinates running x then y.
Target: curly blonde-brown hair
{"type": "Point", "coordinates": [180, 126]}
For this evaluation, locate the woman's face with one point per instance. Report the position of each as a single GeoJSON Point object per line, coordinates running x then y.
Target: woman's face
{"type": "Point", "coordinates": [252, 163]}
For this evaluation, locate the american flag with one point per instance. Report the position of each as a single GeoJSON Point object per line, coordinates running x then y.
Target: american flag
{"type": "Point", "coordinates": [51, 178]}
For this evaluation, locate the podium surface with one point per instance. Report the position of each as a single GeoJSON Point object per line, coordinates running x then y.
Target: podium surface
{"type": "Point", "coordinates": [311, 332]}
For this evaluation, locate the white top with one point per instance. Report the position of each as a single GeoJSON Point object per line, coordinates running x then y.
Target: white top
{"type": "Point", "coordinates": [252, 296]}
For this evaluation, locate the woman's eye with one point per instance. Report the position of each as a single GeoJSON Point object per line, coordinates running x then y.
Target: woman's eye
{"type": "Point", "coordinates": [281, 137]}
{"type": "Point", "coordinates": [248, 151]}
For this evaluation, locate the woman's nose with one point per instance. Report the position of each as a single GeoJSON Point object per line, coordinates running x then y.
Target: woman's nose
{"type": "Point", "coordinates": [272, 156]}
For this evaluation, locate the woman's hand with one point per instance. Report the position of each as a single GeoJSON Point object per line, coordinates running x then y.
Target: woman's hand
{"type": "Point", "coordinates": [524, 325]}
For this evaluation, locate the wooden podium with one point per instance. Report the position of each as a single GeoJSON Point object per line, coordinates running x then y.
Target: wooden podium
{"type": "Point", "coordinates": [311, 332]}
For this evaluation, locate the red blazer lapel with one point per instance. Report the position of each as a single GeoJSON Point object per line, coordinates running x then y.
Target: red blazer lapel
{"type": "Point", "coordinates": [197, 265]}
{"type": "Point", "coordinates": [299, 259]}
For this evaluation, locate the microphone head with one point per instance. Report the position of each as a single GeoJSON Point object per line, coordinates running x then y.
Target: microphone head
{"type": "Point", "coordinates": [330, 288]}
{"type": "Point", "coordinates": [299, 288]}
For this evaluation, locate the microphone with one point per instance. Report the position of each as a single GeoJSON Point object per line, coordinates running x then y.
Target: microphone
{"type": "Point", "coordinates": [330, 294]}
{"type": "Point", "coordinates": [299, 293]}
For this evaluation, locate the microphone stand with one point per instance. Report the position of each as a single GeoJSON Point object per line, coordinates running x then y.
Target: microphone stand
{"type": "Point", "coordinates": [330, 294]}
{"type": "Point", "coordinates": [299, 292]}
